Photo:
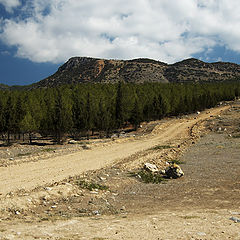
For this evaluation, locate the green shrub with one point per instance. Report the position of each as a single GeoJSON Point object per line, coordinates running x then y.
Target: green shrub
{"type": "Point", "coordinates": [160, 147]}
{"type": "Point", "coordinates": [90, 185]}
{"type": "Point", "coordinates": [178, 162]}
{"type": "Point", "coordinates": [148, 177]}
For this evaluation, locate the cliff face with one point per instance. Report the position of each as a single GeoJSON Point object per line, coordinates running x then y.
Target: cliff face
{"type": "Point", "coordinates": [83, 70]}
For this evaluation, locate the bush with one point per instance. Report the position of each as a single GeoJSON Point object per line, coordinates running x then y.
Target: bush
{"type": "Point", "coordinates": [148, 177]}
{"type": "Point", "coordinates": [90, 185]}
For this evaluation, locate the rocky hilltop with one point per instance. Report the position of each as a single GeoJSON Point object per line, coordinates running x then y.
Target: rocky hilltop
{"type": "Point", "coordinates": [94, 70]}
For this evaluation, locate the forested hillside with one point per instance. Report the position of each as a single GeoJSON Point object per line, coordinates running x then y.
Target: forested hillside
{"type": "Point", "coordinates": [79, 110]}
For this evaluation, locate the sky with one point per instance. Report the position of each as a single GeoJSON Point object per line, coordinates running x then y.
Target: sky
{"type": "Point", "coordinates": [37, 36]}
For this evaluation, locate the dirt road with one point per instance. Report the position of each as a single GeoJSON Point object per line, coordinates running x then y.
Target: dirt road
{"type": "Point", "coordinates": [30, 175]}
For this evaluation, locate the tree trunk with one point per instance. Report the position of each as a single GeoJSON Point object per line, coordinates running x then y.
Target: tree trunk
{"type": "Point", "coordinates": [8, 138]}
{"type": "Point", "coordinates": [30, 138]}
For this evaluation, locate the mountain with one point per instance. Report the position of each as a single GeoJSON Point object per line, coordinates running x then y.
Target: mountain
{"type": "Point", "coordinates": [4, 86]}
{"type": "Point", "coordinates": [94, 70]}
{"type": "Point", "coordinates": [14, 87]}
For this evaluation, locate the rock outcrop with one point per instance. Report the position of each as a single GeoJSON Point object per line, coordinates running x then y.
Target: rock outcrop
{"type": "Point", "coordinates": [93, 70]}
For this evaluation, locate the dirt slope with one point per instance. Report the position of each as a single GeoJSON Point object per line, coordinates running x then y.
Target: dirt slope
{"type": "Point", "coordinates": [33, 174]}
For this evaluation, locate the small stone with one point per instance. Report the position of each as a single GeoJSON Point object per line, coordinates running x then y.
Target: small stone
{"type": "Point", "coordinates": [102, 178]}
{"type": "Point", "coordinates": [48, 189]}
{"type": "Point", "coordinates": [17, 213]}
{"type": "Point", "coordinates": [235, 213]}
{"type": "Point", "coordinates": [54, 206]}
{"type": "Point", "coordinates": [96, 212]}
{"type": "Point", "coordinates": [162, 171]}
{"type": "Point", "coordinates": [236, 220]}
{"type": "Point", "coordinates": [94, 192]}
{"type": "Point", "coordinates": [201, 234]}
{"type": "Point", "coordinates": [123, 208]}
{"type": "Point", "coordinates": [72, 142]}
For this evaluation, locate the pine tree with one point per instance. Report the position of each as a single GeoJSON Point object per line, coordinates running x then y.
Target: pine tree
{"type": "Point", "coordinates": [119, 112]}
{"type": "Point", "coordinates": [19, 115]}
{"type": "Point", "coordinates": [136, 115]}
{"type": "Point", "coordinates": [9, 118]}
{"type": "Point", "coordinates": [28, 125]}
{"type": "Point", "coordinates": [78, 115]}
{"type": "Point", "coordinates": [89, 125]}
{"type": "Point", "coordinates": [61, 118]}
{"type": "Point", "coordinates": [2, 120]}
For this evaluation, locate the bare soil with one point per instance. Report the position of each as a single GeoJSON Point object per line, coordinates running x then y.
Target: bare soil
{"type": "Point", "coordinates": [91, 193]}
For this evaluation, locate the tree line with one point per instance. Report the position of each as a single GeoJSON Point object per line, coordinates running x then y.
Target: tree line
{"type": "Point", "coordinates": [80, 110]}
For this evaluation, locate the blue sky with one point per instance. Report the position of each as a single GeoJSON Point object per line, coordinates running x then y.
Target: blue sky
{"type": "Point", "coordinates": [37, 36]}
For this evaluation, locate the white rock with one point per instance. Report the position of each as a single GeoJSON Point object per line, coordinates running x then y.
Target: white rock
{"type": "Point", "coordinates": [162, 171]}
{"type": "Point", "coordinates": [235, 213]}
{"type": "Point", "coordinates": [72, 142]}
{"type": "Point", "coordinates": [94, 192]}
{"type": "Point", "coordinates": [17, 213]}
{"type": "Point", "coordinates": [96, 212]}
{"type": "Point", "coordinates": [236, 220]}
{"type": "Point", "coordinates": [150, 167]}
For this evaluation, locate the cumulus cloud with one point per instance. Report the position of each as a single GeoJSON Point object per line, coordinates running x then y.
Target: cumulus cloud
{"type": "Point", "coordinates": [10, 4]}
{"type": "Point", "coordinates": [167, 30]}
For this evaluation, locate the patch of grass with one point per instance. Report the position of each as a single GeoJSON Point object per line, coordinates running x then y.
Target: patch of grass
{"type": "Point", "coordinates": [178, 162]}
{"type": "Point", "coordinates": [148, 177]}
{"type": "Point", "coordinates": [236, 136]}
{"type": "Point", "coordinates": [23, 154]}
{"type": "Point", "coordinates": [96, 238]}
{"type": "Point", "coordinates": [90, 185]}
{"type": "Point", "coordinates": [189, 217]}
{"type": "Point", "coordinates": [160, 147]}
{"type": "Point", "coordinates": [48, 149]}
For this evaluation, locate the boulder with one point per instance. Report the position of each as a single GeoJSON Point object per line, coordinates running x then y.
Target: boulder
{"type": "Point", "coordinates": [174, 171]}
{"type": "Point", "coordinates": [150, 167]}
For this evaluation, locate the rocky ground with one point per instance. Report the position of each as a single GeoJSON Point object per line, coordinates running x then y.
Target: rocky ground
{"type": "Point", "coordinates": [115, 203]}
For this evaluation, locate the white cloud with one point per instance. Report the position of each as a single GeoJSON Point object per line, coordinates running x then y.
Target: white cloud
{"type": "Point", "coordinates": [10, 4]}
{"type": "Point", "coordinates": [167, 30]}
